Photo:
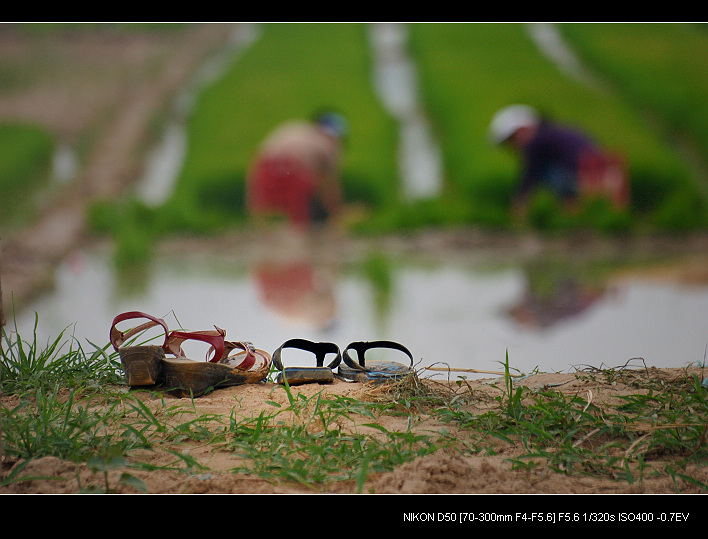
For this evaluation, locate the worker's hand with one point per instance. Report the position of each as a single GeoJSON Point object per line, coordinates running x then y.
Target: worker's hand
{"type": "Point", "coordinates": [519, 209]}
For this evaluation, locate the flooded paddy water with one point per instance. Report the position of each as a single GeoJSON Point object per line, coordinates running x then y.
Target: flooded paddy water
{"type": "Point", "coordinates": [465, 310]}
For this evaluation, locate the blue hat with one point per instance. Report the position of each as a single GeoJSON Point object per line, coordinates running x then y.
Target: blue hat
{"type": "Point", "coordinates": [333, 123]}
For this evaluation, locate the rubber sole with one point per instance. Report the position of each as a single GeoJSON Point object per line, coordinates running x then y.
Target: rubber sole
{"type": "Point", "coordinates": [188, 378]}
{"type": "Point", "coordinates": [305, 375]}
{"type": "Point", "coordinates": [376, 371]}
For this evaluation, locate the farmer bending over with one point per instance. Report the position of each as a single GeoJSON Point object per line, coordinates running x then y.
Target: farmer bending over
{"type": "Point", "coordinates": [560, 159]}
{"type": "Point", "coordinates": [296, 172]}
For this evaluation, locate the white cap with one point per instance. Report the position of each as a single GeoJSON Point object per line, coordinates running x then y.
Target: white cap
{"type": "Point", "coordinates": [509, 119]}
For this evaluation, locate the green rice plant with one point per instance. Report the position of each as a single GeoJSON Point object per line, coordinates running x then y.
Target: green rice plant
{"type": "Point", "coordinates": [133, 226]}
{"type": "Point", "coordinates": [658, 66]}
{"type": "Point", "coordinates": [25, 159]}
{"type": "Point", "coordinates": [290, 72]}
{"type": "Point", "coordinates": [469, 71]}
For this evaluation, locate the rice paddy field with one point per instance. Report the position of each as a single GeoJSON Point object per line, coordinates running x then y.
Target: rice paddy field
{"type": "Point", "coordinates": [467, 72]}
{"type": "Point", "coordinates": [650, 109]}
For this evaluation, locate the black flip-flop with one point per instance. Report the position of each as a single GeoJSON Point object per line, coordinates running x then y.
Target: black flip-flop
{"type": "Point", "coordinates": [359, 371]}
{"type": "Point", "coordinates": [320, 374]}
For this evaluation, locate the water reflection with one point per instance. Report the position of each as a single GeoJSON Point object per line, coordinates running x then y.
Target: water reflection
{"type": "Point", "coordinates": [567, 300]}
{"type": "Point", "coordinates": [553, 296]}
{"type": "Point", "coordinates": [451, 311]}
{"type": "Point", "coordinates": [298, 291]}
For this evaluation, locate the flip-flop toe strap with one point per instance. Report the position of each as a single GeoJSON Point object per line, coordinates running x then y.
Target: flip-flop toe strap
{"type": "Point", "coordinates": [361, 347]}
{"type": "Point", "coordinates": [320, 349]}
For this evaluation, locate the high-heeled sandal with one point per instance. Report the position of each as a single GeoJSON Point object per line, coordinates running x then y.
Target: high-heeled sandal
{"type": "Point", "coordinates": [148, 364]}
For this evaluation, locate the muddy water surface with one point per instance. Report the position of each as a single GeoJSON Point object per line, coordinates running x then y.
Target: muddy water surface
{"type": "Point", "coordinates": [463, 311]}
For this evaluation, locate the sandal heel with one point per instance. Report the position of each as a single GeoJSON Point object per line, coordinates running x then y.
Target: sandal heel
{"type": "Point", "coordinates": [147, 365]}
{"type": "Point", "coordinates": [142, 365]}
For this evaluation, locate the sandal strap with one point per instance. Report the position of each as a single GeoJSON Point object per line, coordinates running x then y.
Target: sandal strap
{"type": "Point", "coordinates": [118, 337]}
{"type": "Point", "coordinates": [173, 342]}
{"type": "Point", "coordinates": [246, 346]}
{"type": "Point", "coordinates": [220, 348]}
{"type": "Point", "coordinates": [320, 349]}
{"type": "Point", "coordinates": [361, 347]}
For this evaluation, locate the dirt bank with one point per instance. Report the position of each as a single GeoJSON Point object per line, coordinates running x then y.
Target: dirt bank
{"type": "Point", "coordinates": [443, 472]}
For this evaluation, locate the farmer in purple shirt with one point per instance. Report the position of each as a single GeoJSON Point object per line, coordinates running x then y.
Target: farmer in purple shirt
{"type": "Point", "coordinates": [551, 154]}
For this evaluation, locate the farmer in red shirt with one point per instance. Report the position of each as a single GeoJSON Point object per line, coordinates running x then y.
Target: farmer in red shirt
{"type": "Point", "coordinates": [296, 172]}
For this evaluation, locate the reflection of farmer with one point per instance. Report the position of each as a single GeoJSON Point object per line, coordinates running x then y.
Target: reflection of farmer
{"type": "Point", "coordinates": [296, 172]}
{"type": "Point", "coordinates": [567, 299]}
{"type": "Point", "coordinates": [560, 159]}
{"type": "Point", "coordinates": [298, 292]}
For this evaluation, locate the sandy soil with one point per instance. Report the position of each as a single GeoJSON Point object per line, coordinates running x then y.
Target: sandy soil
{"type": "Point", "coordinates": [440, 473]}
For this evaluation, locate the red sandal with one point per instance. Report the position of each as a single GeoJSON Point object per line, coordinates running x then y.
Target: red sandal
{"type": "Point", "coordinates": [148, 364]}
{"type": "Point", "coordinates": [188, 378]}
{"type": "Point", "coordinates": [119, 338]}
{"type": "Point", "coordinates": [142, 364]}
